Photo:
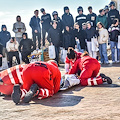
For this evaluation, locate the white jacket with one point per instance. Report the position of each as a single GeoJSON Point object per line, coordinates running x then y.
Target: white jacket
{"type": "Point", "coordinates": [12, 46]}
{"type": "Point", "coordinates": [103, 36]}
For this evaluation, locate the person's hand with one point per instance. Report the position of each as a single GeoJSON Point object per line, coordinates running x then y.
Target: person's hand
{"type": "Point", "coordinates": [19, 29]}
{"type": "Point", "coordinates": [36, 31]}
{"type": "Point", "coordinates": [51, 43]}
{"type": "Point", "coordinates": [0, 55]}
{"type": "Point", "coordinates": [41, 21]}
{"type": "Point", "coordinates": [75, 46]}
{"type": "Point", "coordinates": [75, 38]}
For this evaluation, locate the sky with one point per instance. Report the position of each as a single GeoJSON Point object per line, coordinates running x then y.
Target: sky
{"type": "Point", "coordinates": [9, 9]}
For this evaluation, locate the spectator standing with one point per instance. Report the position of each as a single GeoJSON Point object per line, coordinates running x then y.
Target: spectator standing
{"type": "Point", "coordinates": [4, 38]}
{"type": "Point", "coordinates": [26, 47]}
{"type": "Point", "coordinates": [114, 31]}
{"type": "Point", "coordinates": [12, 49]}
{"type": "Point", "coordinates": [36, 29]}
{"type": "Point", "coordinates": [106, 9]}
{"type": "Point", "coordinates": [81, 18]}
{"type": "Point", "coordinates": [112, 14]}
{"type": "Point", "coordinates": [19, 28]}
{"type": "Point", "coordinates": [46, 23]}
{"type": "Point", "coordinates": [102, 18]}
{"type": "Point", "coordinates": [67, 18]}
{"type": "Point", "coordinates": [102, 40]}
{"type": "Point", "coordinates": [91, 17]}
{"type": "Point", "coordinates": [54, 39]}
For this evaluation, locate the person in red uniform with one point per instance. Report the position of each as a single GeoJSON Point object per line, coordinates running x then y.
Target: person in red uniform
{"type": "Point", "coordinates": [44, 75]}
{"type": "Point", "coordinates": [89, 70]}
{"type": "Point", "coordinates": [71, 60]}
{"type": "Point", "coordinates": [10, 77]}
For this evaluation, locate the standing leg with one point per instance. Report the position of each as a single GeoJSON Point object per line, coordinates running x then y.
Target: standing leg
{"type": "Point", "coordinates": [39, 40]}
{"type": "Point", "coordinates": [101, 55]}
{"type": "Point", "coordinates": [113, 50]}
{"type": "Point", "coordinates": [57, 54]}
{"type": "Point", "coordinates": [10, 54]}
{"type": "Point", "coordinates": [43, 36]}
{"type": "Point", "coordinates": [89, 47]}
{"type": "Point", "coordinates": [17, 57]}
{"type": "Point", "coordinates": [34, 40]}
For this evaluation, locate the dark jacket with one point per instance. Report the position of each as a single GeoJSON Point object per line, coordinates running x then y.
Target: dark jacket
{"type": "Point", "coordinates": [54, 36]}
{"type": "Point", "coordinates": [81, 19]}
{"type": "Point", "coordinates": [81, 35]}
{"type": "Point", "coordinates": [68, 20]}
{"type": "Point", "coordinates": [102, 19]}
{"type": "Point", "coordinates": [68, 40]}
{"type": "Point", "coordinates": [35, 24]}
{"type": "Point", "coordinates": [114, 31]}
{"type": "Point", "coordinates": [112, 14]}
{"type": "Point", "coordinates": [92, 19]}
{"type": "Point", "coordinates": [46, 21]}
{"type": "Point", "coordinates": [90, 33]}
{"type": "Point", "coordinates": [4, 36]}
{"type": "Point", "coordinates": [26, 45]}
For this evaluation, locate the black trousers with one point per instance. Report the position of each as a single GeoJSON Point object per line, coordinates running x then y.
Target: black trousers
{"type": "Point", "coordinates": [0, 61]}
{"type": "Point", "coordinates": [10, 56]}
{"type": "Point", "coordinates": [25, 56]}
{"type": "Point", "coordinates": [35, 37]}
{"type": "Point", "coordinates": [44, 31]}
{"type": "Point", "coordinates": [57, 49]}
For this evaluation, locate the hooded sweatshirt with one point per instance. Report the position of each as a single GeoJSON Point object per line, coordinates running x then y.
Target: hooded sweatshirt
{"type": "Point", "coordinates": [4, 36]}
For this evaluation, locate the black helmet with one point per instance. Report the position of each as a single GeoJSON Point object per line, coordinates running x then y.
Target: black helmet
{"type": "Point", "coordinates": [80, 8]}
{"type": "Point", "coordinates": [106, 7]}
{"type": "Point", "coordinates": [112, 3]}
{"type": "Point", "coordinates": [42, 9]}
{"type": "Point", "coordinates": [54, 13]}
{"type": "Point", "coordinates": [66, 8]}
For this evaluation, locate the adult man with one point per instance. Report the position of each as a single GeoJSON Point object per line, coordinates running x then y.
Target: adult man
{"type": "Point", "coordinates": [36, 29]}
{"type": "Point", "coordinates": [67, 18]}
{"type": "Point", "coordinates": [91, 17]}
{"type": "Point", "coordinates": [47, 77]}
{"type": "Point", "coordinates": [45, 21]}
{"type": "Point", "coordinates": [81, 18]}
{"type": "Point", "coordinates": [106, 9]}
{"type": "Point", "coordinates": [19, 28]}
{"type": "Point", "coordinates": [112, 14]}
{"type": "Point", "coordinates": [4, 38]}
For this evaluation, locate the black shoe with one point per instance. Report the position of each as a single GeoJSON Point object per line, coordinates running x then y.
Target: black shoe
{"type": "Point", "coordinates": [16, 94]}
{"type": "Point", "coordinates": [29, 95]}
{"type": "Point", "coordinates": [106, 78]}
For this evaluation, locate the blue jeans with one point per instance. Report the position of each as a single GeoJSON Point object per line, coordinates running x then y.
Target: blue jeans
{"type": "Point", "coordinates": [114, 45]}
{"type": "Point", "coordinates": [79, 48]}
{"type": "Point", "coordinates": [103, 52]}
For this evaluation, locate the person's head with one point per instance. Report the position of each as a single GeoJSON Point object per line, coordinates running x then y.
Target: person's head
{"type": "Point", "coordinates": [12, 39]}
{"type": "Point", "coordinates": [54, 24]}
{"type": "Point", "coordinates": [112, 5]}
{"type": "Point", "coordinates": [88, 25]}
{"type": "Point", "coordinates": [85, 54]}
{"type": "Point", "coordinates": [106, 9]}
{"type": "Point", "coordinates": [18, 18]}
{"type": "Point", "coordinates": [80, 10]}
{"type": "Point", "coordinates": [42, 11]}
{"type": "Point", "coordinates": [55, 15]}
{"type": "Point", "coordinates": [71, 54]}
{"type": "Point", "coordinates": [115, 22]}
{"type": "Point", "coordinates": [66, 9]}
{"type": "Point", "coordinates": [36, 12]}
{"type": "Point", "coordinates": [90, 9]}
{"type": "Point", "coordinates": [100, 25]}
{"type": "Point", "coordinates": [4, 28]}
{"type": "Point", "coordinates": [84, 26]}
{"type": "Point", "coordinates": [76, 26]}
{"type": "Point", "coordinates": [24, 36]}
{"type": "Point", "coordinates": [102, 12]}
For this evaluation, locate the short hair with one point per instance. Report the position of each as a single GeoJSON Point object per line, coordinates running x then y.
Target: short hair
{"type": "Point", "coordinates": [18, 16]}
{"type": "Point", "coordinates": [36, 11]}
{"type": "Point", "coordinates": [101, 10]}
{"type": "Point", "coordinates": [100, 24]}
{"type": "Point", "coordinates": [90, 7]}
{"type": "Point", "coordinates": [83, 24]}
{"type": "Point", "coordinates": [71, 53]}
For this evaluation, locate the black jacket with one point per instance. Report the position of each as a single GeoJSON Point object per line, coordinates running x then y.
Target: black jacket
{"type": "Point", "coordinates": [68, 40]}
{"type": "Point", "coordinates": [68, 20]}
{"type": "Point", "coordinates": [81, 35]}
{"type": "Point", "coordinates": [90, 33]}
{"type": "Point", "coordinates": [92, 19]}
{"type": "Point", "coordinates": [46, 21]}
{"type": "Point", "coordinates": [26, 45]}
{"type": "Point", "coordinates": [81, 19]}
{"type": "Point", "coordinates": [112, 14]}
{"type": "Point", "coordinates": [54, 36]}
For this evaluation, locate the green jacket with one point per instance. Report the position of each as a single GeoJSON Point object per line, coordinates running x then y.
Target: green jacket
{"type": "Point", "coordinates": [102, 19]}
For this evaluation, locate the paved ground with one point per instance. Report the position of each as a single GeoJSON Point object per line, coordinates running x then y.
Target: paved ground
{"type": "Point", "coordinates": [78, 103]}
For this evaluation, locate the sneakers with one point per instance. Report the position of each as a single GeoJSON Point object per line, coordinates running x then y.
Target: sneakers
{"type": "Point", "coordinates": [106, 78]}
{"type": "Point", "coordinates": [29, 95]}
{"type": "Point", "coordinates": [16, 94]}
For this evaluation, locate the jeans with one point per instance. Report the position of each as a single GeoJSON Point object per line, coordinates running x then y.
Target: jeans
{"type": "Point", "coordinates": [114, 45]}
{"type": "Point", "coordinates": [103, 53]}
{"type": "Point", "coordinates": [79, 48]}
{"type": "Point", "coordinates": [57, 54]}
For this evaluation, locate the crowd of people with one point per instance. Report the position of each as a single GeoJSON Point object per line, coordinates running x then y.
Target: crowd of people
{"type": "Point", "coordinates": [90, 33]}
